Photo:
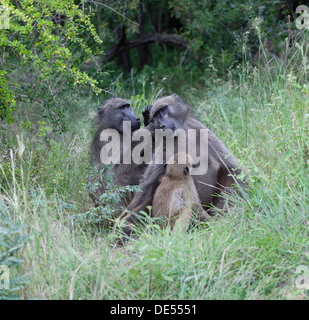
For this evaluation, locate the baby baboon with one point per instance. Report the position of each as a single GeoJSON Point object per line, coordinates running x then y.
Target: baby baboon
{"type": "Point", "coordinates": [176, 197]}
{"type": "Point", "coordinates": [171, 112]}
{"type": "Point", "coordinates": [111, 115]}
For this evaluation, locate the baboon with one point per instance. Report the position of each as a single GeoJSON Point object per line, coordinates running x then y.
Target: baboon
{"type": "Point", "coordinates": [171, 112]}
{"type": "Point", "coordinates": [176, 196]}
{"type": "Point", "coordinates": [111, 115]}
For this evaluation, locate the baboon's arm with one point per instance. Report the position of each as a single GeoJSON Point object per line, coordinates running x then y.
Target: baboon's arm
{"type": "Point", "coordinates": [182, 218]}
{"type": "Point", "coordinates": [149, 185]}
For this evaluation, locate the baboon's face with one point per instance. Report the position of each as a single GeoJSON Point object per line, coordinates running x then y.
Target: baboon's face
{"type": "Point", "coordinates": [179, 165]}
{"type": "Point", "coordinates": [186, 170]}
{"type": "Point", "coordinates": [169, 113]}
{"type": "Point", "coordinates": [127, 114]}
{"type": "Point", "coordinates": [163, 120]}
{"type": "Point", "coordinates": [115, 111]}
{"type": "Point", "coordinates": [178, 170]}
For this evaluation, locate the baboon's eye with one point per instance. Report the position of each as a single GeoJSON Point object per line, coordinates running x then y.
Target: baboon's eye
{"type": "Point", "coordinates": [160, 111]}
{"type": "Point", "coordinates": [163, 109]}
{"type": "Point", "coordinates": [124, 106]}
{"type": "Point", "coordinates": [186, 170]}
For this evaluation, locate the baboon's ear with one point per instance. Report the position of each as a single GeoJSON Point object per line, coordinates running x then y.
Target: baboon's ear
{"type": "Point", "coordinates": [100, 112]}
{"type": "Point", "coordinates": [175, 96]}
{"type": "Point", "coordinates": [186, 170]}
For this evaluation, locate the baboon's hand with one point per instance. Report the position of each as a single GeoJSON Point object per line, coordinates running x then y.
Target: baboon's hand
{"type": "Point", "coordinates": [146, 115]}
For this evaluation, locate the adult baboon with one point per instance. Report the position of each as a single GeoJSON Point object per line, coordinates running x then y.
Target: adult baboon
{"type": "Point", "coordinates": [111, 115]}
{"type": "Point", "coordinates": [171, 112]}
{"type": "Point", "coordinates": [176, 197]}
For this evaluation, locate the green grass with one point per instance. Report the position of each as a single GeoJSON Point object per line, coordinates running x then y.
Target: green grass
{"type": "Point", "coordinates": [251, 252]}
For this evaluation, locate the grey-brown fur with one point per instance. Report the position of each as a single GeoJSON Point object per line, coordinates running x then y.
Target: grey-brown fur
{"type": "Point", "coordinates": [110, 116]}
{"type": "Point", "coordinates": [215, 181]}
{"type": "Point", "coordinates": [176, 197]}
